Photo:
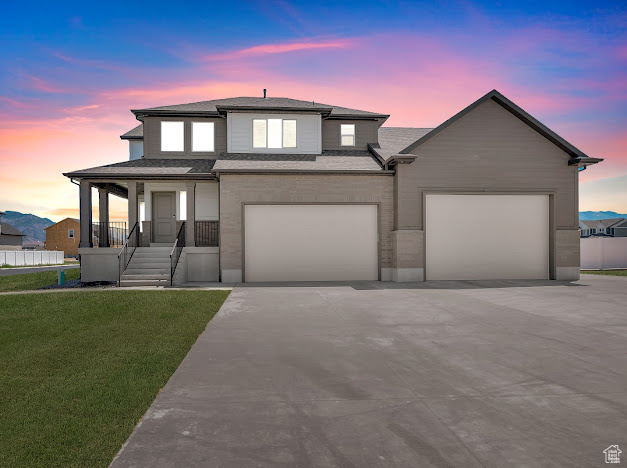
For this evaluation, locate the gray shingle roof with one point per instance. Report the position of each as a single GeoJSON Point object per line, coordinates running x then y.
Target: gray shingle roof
{"type": "Point", "coordinates": [327, 161]}
{"type": "Point", "coordinates": [134, 134]}
{"type": "Point", "coordinates": [205, 168]}
{"type": "Point", "coordinates": [278, 103]}
{"type": "Point", "coordinates": [8, 230]}
{"type": "Point", "coordinates": [394, 139]}
{"type": "Point", "coordinates": [180, 168]}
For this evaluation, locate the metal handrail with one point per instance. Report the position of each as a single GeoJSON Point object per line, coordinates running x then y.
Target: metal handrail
{"type": "Point", "coordinates": [130, 244]}
{"type": "Point", "coordinates": [177, 248]}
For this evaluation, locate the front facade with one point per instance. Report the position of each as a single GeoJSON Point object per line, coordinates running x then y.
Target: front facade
{"type": "Point", "coordinates": [275, 189]}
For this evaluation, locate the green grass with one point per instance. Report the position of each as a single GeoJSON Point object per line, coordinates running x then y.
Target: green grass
{"type": "Point", "coordinates": [67, 262]}
{"type": "Point", "coordinates": [78, 370]}
{"type": "Point", "coordinates": [29, 281]}
{"type": "Point", "coordinates": [605, 272]}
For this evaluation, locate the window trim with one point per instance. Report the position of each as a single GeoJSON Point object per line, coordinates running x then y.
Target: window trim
{"type": "Point", "coordinates": [282, 128]}
{"type": "Point", "coordinates": [161, 136]}
{"type": "Point", "coordinates": [73, 234]}
{"type": "Point", "coordinates": [213, 135]}
{"type": "Point", "coordinates": [342, 134]}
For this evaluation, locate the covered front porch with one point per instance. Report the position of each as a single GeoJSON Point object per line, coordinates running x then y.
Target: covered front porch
{"type": "Point", "coordinates": [171, 235]}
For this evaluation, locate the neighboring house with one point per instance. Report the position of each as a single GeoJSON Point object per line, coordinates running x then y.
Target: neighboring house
{"type": "Point", "coordinates": [277, 189]}
{"type": "Point", "coordinates": [10, 238]}
{"type": "Point", "coordinates": [620, 229]}
{"type": "Point", "coordinates": [603, 227]}
{"type": "Point", "coordinates": [64, 236]}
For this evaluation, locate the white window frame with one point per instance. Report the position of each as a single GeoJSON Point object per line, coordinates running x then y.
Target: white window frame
{"type": "Point", "coordinates": [183, 136]}
{"type": "Point", "coordinates": [343, 134]}
{"type": "Point", "coordinates": [213, 138]}
{"type": "Point", "coordinates": [282, 129]}
{"type": "Point", "coordinates": [265, 121]}
{"type": "Point", "coordinates": [68, 234]}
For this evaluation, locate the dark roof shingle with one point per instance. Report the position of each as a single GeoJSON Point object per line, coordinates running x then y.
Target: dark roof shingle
{"type": "Point", "coordinates": [8, 230]}
{"type": "Point", "coordinates": [394, 139]}
{"type": "Point", "coordinates": [274, 103]}
{"type": "Point", "coordinates": [136, 133]}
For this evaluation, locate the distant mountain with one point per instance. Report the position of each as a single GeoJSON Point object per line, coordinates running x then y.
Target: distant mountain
{"type": "Point", "coordinates": [586, 215]}
{"type": "Point", "coordinates": [31, 225]}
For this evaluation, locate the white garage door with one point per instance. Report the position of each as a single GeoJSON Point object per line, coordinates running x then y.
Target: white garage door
{"type": "Point", "coordinates": [310, 242]}
{"type": "Point", "coordinates": [487, 237]}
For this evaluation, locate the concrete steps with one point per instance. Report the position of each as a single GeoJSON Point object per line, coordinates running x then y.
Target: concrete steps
{"type": "Point", "coordinates": [149, 266]}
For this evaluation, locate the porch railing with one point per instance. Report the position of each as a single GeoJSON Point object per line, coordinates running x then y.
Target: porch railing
{"type": "Point", "coordinates": [128, 249]}
{"type": "Point", "coordinates": [111, 234]}
{"type": "Point", "coordinates": [177, 248]}
{"type": "Point", "coordinates": [207, 233]}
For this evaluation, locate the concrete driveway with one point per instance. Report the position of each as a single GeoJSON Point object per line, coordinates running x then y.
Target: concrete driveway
{"type": "Point", "coordinates": [437, 374]}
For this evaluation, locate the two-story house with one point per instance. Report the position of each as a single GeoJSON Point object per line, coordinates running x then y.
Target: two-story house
{"type": "Point", "coordinates": [278, 189]}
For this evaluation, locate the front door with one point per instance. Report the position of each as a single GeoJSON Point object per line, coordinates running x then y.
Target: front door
{"type": "Point", "coordinates": [163, 217]}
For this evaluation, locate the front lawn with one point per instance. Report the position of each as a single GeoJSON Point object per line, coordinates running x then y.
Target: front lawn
{"type": "Point", "coordinates": [29, 281]}
{"type": "Point", "coordinates": [605, 272]}
{"type": "Point", "coordinates": [78, 370]}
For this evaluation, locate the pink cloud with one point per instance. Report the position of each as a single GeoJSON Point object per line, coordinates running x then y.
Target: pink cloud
{"type": "Point", "coordinates": [267, 49]}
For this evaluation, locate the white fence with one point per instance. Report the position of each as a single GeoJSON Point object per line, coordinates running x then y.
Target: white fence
{"type": "Point", "coordinates": [598, 253]}
{"type": "Point", "coordinates": [31, 257]}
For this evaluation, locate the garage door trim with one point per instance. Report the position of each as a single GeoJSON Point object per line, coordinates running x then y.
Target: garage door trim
{"type": "Point", "coordinates": [243, 221]}
{"type": "Point", "coordinates": [499, 191]}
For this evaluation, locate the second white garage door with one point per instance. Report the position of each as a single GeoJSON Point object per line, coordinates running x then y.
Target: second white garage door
{"type": "Point", "coordinates": [310, 242]}
{"type": "Point", "coordinates": [487, 237]}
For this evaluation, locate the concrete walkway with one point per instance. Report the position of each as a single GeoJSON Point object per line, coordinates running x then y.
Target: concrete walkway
{"type": "Point", "coordinates": [35, 269]}
{"type": "Point", "coordinates": [438, 374]}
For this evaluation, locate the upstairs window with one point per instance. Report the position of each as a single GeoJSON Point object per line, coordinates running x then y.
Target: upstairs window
{"type": "Point", "coordinates": [70, 233]}
{"type": "Point", "coordinates": [203, 136]}
{"type": "Point", "coordinates": [274, 133]}
{"type": "Point", "coordinates": [172, 136]}
{"type": "Point", "coordinates": [347, 135]}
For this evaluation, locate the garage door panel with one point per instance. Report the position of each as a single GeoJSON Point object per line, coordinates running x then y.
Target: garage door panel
{"type": "Point", "coordinates": [310, 242]}
{"type": "Point", "coordinates": [487, 237]}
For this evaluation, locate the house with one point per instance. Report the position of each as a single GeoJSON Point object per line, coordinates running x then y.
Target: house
{"type": "Point", "coordinates": [64, 236]}
{"type": "Point", "coordinates": [603, 227]}
{"type": "Point", "coordinates": [278, 189]}
{"type": "Point", "coordinates": [619, 229]}
{"type": "Point", "coordinates": [10, 238]}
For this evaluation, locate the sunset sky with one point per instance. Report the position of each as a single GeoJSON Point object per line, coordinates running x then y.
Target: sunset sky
{"type": "Point", "coordinates": [70, 74]}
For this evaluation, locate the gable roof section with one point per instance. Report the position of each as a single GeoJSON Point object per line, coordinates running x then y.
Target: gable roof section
{"type": "Point", "coordinates": [216, 106]}
{"type": "Point", "coordinates": [136, 133]}
{"type": "Point", "coordinates": [576, 155]}
{"type": "Point", "coordinates": [59, 222]}
{"type": "Point", "coordinates": [610, 222]}
{"type": "Point", "coordinates": [8, 230]}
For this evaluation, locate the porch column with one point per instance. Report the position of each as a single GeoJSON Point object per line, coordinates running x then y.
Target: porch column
{"type": "Point", "coordinates": [190, 224]}
{"type": "Point", "coordinates": [85, 213]}
{"type": "Point", "coordinates": [103, 217]}
{"type": "Point", "coordinates": [132, 204]}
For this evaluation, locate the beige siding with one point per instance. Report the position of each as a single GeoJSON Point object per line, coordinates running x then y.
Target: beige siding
{"type": "Point", "coordinates": [57, 237]}
{"type": "Point", "coordinates": [152, 138]}
{"type": "Point", "coordinates": [491, 150]}
{"type": "Point", "coordinates": [366, 131]}
{"type": "Point", "coordinates": [235, 190]}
